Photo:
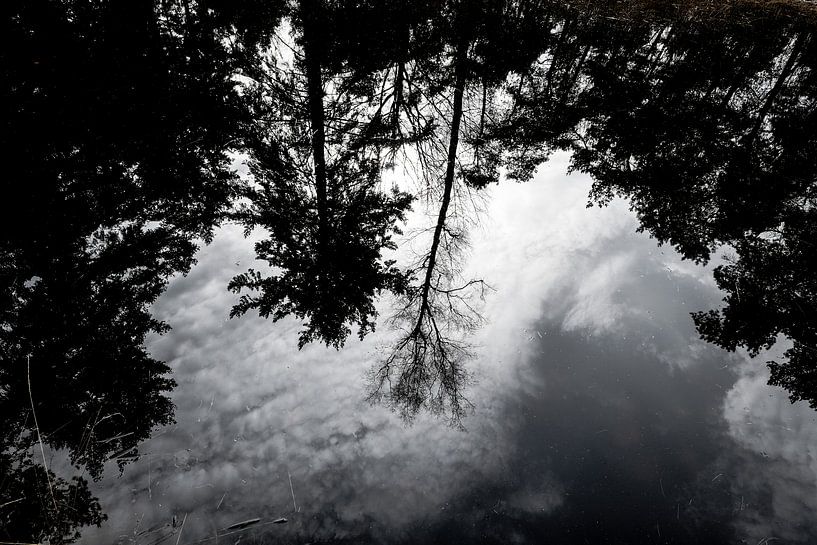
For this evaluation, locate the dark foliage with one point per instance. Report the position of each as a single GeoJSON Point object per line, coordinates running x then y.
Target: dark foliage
{"type": "Point", "coordinates": [42, 505]}
{"type": "Point", "coordinates": [330, 289]}
{"type": "Point", "coordinates": [317, 166]}
{"type": "Point", "coordinates": [118, 117]}
{"type": "Point", "coordinates": [772, 290]}
{"type": "Point", "coordinates": [707, 129]}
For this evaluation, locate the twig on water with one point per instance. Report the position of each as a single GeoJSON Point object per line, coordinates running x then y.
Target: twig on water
{"type": "Point", "coordinates": [206, 539]}
{"type": "Point", "coordinates": [12, 501]}
{"type": "Point", "coordinates": [294, 505]}
{"type": "Point", "coordinates": [37, 427]}
{"type": "Point", "coordinates": [178, 537]}
{"type": "Point", "coordinates": [215, 530]}
{"type": "Point", "coordinates": [243, 524]}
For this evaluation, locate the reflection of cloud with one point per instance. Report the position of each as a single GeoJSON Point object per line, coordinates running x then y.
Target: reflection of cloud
{"type": "Point", "coordinates": [593, 306]}
{"type": "Point", "coordinates": [780, 465]}
{"type": "Point", "coordinates": [535, 497]}
{"type": "Point", "coordinates": [254, 412]}
{"type": "Point", "coordinates": [552, 258]}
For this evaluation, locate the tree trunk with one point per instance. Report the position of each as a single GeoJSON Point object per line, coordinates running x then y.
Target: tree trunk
{"type": "Point", "coordinates": [310, 11]}
{"type": "Point", "coordinates": [397, 104]}
{"type": "Point", "coordinates": [453, 143]}
{"type": "Point", "coordinates": [778, 86]}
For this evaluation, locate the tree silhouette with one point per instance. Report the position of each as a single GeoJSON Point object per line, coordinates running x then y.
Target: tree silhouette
{"type": "Point", "coordinates": [28, 492]}
{"type": "Point", "coordinates": [730, 160]}
{"type": "Point", "coordinates": [707, 128]}
{"type": "Point", "coordinates": [120, 117]}
{"type": "Point", "coordinates": [427, 361]}
{"type": "Point", "coordinates": [123, 119]}
{"type": "Point", "coordinates": [317, 164]}
{"type": "Point", "coordinates": [771, 290]}
{"type": "Point", "coordinates": [477, 45]}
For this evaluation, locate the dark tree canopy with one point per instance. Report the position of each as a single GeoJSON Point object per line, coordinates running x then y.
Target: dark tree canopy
{"type": "Point", "coordinates": [771, 290]}
{"type": "Point", "coordinates": [319, 194]}
{"type": "Point", "coordinates": [43, 506]}
{"type": "Point", "coordinates": [119, 117]}
{"type": "Point", "coordinates": [707, 128]}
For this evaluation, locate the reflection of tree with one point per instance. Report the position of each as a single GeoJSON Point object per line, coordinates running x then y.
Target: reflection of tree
{"type": "Point", "coordinates": [317, 163]}
{"type": "Point", "coordinates": [43, 506]}
{"type": "Point", "coordinates": [427, 361]}
{"type": "Point", "coordinates": [426, 365]}
{"type": "Point", "coordinates": [120, 116]}
{"type": "Point", "coordinates": [772, 290]}
{"type": "Point", "coordinates": [708, 129]}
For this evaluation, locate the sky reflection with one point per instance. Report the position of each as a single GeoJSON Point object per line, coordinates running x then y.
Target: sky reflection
{"type": "Point", "coordinates": [601, 417]}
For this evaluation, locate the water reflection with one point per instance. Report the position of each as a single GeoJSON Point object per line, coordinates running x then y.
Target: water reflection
{"type": "Point", "coordinates": [615, 410]}
{"type": "Point", "coordinates": [118, 118]}
{"type": "Point", "coordinates": [594, 393]}
{"type": "Point", "coordinates": [706, 127]}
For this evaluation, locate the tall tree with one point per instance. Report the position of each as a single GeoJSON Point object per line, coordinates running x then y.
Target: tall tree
{"type": "Point", "coordinates": [477, 45]}
{"type": "Point", "coordinates": [317, 160]}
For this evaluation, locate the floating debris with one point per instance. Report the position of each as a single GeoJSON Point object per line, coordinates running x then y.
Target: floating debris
{"type": "Point", "coordinates": [294, 505]}
{"type": "Point", "coordinates": [243, 524]}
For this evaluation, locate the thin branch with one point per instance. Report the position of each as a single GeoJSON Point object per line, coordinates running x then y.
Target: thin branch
{"type": "Point", "coordinates": [37, 427]}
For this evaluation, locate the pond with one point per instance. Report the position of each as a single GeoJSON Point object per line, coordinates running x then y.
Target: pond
{"type": "Point", "coordinates": [600, 415]}
{"type": "Point", "coordinates": [499, 272]}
